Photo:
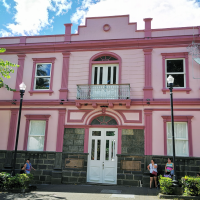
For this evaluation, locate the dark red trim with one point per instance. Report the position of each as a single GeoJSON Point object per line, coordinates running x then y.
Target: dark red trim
{"type": "Point", "coordinates": [12, 130]}
{"type": "Point", "coordinates": [86, 140]}
{"type": "Point", "coordinates": [19, 79]}
{"type": "Point", "coordinates": [148, 90]}
{"type": "Point", "coordinates": [119, 147]}
{"type": "Point", "coordinates": [104, 126]}
{"type": "Point", "coordinates": [148, 131]}
{"type": "Point", "coordinates": [65, 75]}
{"type": "Point", "coordinates": [60, 130]}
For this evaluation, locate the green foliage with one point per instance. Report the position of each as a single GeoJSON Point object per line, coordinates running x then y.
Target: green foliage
{"type": "Point", "coordinates": [19, 181]}
{"type": "Point", "coordinates": [6, 68]}
{"type": "Point", "coordinates": [191, 186]}
{"type": "Point", "coordinates": [165, 185]}
{"type": "Point", "coordinates": [2, 50]}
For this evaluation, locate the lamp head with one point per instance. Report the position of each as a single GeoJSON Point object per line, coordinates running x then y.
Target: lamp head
{"type": "Point", "coordinates": [170, 79]}
{"type": "Point", "coordinates": [22, 86]}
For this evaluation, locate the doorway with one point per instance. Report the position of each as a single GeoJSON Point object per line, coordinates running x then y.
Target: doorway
{"type": "Point", "coordinates": [102, 159]}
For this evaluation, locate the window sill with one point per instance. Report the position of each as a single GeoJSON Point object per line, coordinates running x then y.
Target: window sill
{"type": "Point", "coordinates": [40, 91]}
{"type": "Point", "coordinates": [187, 90]}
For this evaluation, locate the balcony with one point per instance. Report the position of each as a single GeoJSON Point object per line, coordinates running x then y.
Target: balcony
{"type": "Point", "coordinates": [104, 91]}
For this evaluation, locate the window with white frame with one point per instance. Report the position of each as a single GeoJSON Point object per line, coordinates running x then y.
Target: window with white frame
{"type": "Point", "coordinates": [181, 139]}
{"type": "Point", "coordinates": [42, 76]}
{"type": "Point", "coordinates": [36, 135]}
{"type": "Point", "coordinates": [176, 68]}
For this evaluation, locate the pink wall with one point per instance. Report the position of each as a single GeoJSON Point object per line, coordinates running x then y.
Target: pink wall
{"type": "Point", "coordinates": [132, 70]}
{"type": "Point", "coordinates": [158, 130]}
{"type": "Point", "coordinates": [119, 28]}
{"type": "Point", "coordinates": [169, 32]}
{"type": "Point", "coordinates": [45, 39]}
{"type": "Point", "coordinates": [4, 128]}
{"type": "Point", "coordinates": [10, 40]}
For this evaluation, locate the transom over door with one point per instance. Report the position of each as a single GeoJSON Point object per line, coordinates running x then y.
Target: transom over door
{"type": "Point", "coordinates": [102, 159]}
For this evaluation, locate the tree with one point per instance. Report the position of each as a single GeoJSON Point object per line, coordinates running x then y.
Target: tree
{"type": "Point", "coordinates": [6, 68]}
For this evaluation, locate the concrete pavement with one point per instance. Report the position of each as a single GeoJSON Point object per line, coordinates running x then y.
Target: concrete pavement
{"type": "Point", "coordinates": [85, 192]}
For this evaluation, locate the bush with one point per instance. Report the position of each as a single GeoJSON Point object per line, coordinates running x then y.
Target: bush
{"type": "Point", "coordinates": [191, 186]}
{"type": "Point", "coordinates": [19, 181]}
{"type": "Point", "coordinates": [3, 179]}
{"type": "Point", "coordinates": [165, 185]}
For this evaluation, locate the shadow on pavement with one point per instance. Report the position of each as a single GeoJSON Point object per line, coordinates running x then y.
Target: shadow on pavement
{"type": "Point", "coordinates": [107, 189]}
{"type": "Point", "coordinates": [18, 196]}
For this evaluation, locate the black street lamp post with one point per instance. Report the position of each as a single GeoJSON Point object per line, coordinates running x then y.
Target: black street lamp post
{"type": "Point", "coordinates": [22, 87]}
{"type": "Point", "coordinates": [170, 81]}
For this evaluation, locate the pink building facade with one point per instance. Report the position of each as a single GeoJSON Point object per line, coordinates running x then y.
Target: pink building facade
{"type": "Point", "coordinates": [97, 106]}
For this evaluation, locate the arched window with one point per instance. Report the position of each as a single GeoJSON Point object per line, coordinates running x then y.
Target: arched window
{"type": "Point", "coordinates": [104, 120]}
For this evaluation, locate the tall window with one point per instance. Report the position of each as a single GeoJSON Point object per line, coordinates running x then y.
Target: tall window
{"type": "Point", "coordinates": [181, 139]}
{"type": "Point", "coordinates": [36, 135]}
{"type": "Point", "coordinates": [42, 76]}
{"type": "Point", "coordinates": [105, 74]}
{"type": "Point", "coordinates": [176, 68]}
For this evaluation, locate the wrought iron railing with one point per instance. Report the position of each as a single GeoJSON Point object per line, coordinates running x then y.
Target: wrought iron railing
{"type": "Point", "coordinates": [109, 91]}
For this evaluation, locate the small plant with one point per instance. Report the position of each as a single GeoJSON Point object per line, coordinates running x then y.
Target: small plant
{"type": "Point", "coordinates": [191, 186]}
{"type": "Point", "coordinates": [3, 179]}
{"type": "Point", "coordinates": [19, 181]}
{"type": "Point", "coordinates": [165, 185]}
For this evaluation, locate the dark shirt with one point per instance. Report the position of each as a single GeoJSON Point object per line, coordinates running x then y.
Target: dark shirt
{"type": "Point", "coordinates": [22, 172]}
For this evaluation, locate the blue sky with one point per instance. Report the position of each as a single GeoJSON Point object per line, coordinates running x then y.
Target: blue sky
{"type": "Point", "coordinates": [46, 17]}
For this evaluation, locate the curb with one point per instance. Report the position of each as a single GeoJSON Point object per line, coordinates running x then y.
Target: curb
{"type": "Point", "coordinates": [165, 196]}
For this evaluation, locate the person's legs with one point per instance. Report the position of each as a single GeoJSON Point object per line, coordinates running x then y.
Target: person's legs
{"type": "Point", "coordinates": [155, 179]}
{"type": "Point", "coordinates": [151, 180]}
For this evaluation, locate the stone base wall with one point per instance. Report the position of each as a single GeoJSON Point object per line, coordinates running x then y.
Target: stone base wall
{"type": "Point", "coordinates": [68, 168]}
{"type": "Point", "coordinates": [42, 162]}
{"type": "Point", "coordinates": [74, 168]}
{"type": "Point", "coordinates": [130, 170]}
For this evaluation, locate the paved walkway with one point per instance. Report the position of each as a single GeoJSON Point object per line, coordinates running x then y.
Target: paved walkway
{"type": "Point", "coordinates": [84, 192]}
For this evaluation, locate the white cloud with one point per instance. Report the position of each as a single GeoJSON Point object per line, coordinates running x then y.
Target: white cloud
{"type": "Point", "coordinates": [4, 33]}
{"type": "Point", "coordinates": [63, 6]}
{"type": "Point", "coordinates": [82, 11]}
{"type": "Point", "coordinates": [5, 5]}
{"type": "Point", "coordinates": [165, 14]}
{"type": "Point", "coordinates": [33, 15]}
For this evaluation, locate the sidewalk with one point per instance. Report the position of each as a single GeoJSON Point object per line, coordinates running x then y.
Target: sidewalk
{"type": "Point", "coordinates": [85, 192]}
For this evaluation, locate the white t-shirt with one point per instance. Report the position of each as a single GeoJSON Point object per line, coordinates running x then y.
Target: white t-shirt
{"type": "Point", "coordinates": [152, 168]}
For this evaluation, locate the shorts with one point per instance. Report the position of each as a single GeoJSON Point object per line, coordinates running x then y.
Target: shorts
{"type": "Point", "coordinates": [152, 175]}
{"type": "Point", "coordinates": [28, 172]}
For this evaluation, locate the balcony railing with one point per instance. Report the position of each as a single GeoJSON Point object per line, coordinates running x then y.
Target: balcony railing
{"type": "Point", "coordinates": [109, 91]}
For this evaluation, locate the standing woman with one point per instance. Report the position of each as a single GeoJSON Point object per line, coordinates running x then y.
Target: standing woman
{"type": "Point", "coordinates": [152, 167]}
{"type": "Point", "coordinates": [28, 167]}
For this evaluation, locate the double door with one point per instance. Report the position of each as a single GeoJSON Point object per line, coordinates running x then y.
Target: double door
{"type": "Point", "coordinates": [102, 159]}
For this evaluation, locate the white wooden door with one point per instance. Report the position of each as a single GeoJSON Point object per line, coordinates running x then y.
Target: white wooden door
{"type": "Point", "coordinates": [102, 159]}
{"type": "Point", "coordinates": [104, 76]}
